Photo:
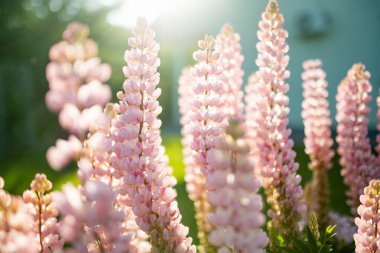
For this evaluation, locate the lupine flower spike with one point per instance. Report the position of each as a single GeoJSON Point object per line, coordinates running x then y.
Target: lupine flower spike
{"type": "Point", "coordinates": [252, 112]}
{"type": "Point", "coordinates": [77, 92]}
{"type": "Point", "coordinates": [275, 162]}
{"type": "Point", "coordinates": [195, 180]}
{"type": "Point", "coordinates": [231, 60]}
{"type": "Point", "coordinates": [206, 114]}
{"type": "Point", "coordinates": [237, 217]}
{"type": "Point", "coordinates": [367, 238]}
{"type": "Point", "coordinates": [318, 140]}
{"type": "Point", "coordinates": [356, 158]}
{"type": "Point", "coordinates": [44, 212]}
{"type": "Point", "coordinates": [95, 169]}
{"type": "Point", "coordinates": [139, 156]}
{"type": "Point", "coordinates": [16, 233]}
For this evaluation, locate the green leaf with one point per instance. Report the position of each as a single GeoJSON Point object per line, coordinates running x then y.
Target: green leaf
{"type": "Point", "coordinates": [302, 246]}
{"type": "Point", "coordinates": [325, 249]}
{"type": "Point", "coordinates": [312, 242]}
{"type": "Point", "coordinates": [289, 250]}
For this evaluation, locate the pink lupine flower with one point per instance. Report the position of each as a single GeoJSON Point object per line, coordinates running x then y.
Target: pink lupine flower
{"type": "Point", "coordinates": [237, 217]}
{"type": "Point", "coordinates": [73, 63]}
{"type": "Point", "coordinates": [195, 180]}
{"type": "Point", "coordinates": [63, 152]}
{"type": "Point", "coordinates": [275, 161]}
{"type": "Point", "coordinates": [354, 148]}
{"type": "Point", "coordinates": [318, 140]}
{"type": "Point", "coordinates": [90, 223]}
{"type": "Point", "coordinates": [252, 112]}
{"type": "Point", "coordinates": [367, 238]}
{"type": "Point", "coordinates": [206, 119]}
{"type": "Point", "coordinates": [77, 92]}
{"type": "Point", "coordinates": [44, 212]}
{"type": "Point", "coordinates": [231, 60]}
{"type": "Point", "coordinates": [15, 233]}
{"type": "Point", "coordinates": [345, 227]}
{"type": "Point", "coordinates": [139, 157]}
{"type": "Point", "coordinates": [95, 165]}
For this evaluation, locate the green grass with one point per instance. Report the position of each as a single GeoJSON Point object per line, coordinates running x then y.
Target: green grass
{"type": "Point", "coordinates": [18, 172]}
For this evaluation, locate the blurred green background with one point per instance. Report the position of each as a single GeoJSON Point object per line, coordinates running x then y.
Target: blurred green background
{"type": "Point", "coordinates": [339, 32]}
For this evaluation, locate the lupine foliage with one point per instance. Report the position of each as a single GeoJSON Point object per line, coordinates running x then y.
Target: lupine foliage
{"type": "Point", "coordinates": [126, 201]}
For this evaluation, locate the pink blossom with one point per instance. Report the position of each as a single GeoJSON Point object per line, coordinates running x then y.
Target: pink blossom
{"type": "Point", "coordinates": [94, 93]}
{"type": "Point", "coordinates": [44, 213]}
{"type": "Point", "coordinates": [95, 165]}
{"type": "Point", "coordinates": [236, 217]}
{"type": "Point", "coordinates": [63, 152]}
{"type": "Point", "coordinates": [354, 148]}
{"type": "Point", "coordinates": [195, 180]}
{"type": "Point", "coordinates": [252, 112]}
{"type": "Point", "coordinates": [318, 140]}
{"type": "Point", "coordinates": [139, 157]}
{"type": "Point", "coordinates": [206, 117]}
{"type": "Point", "coordinates": [90, 222]}
{"type": "Point", "coordinates": [231, 60]}
{"type": "Point", "coordinates": [367, 238]}
{"type": "Point", "coordinates": [275, 162]}
{"type": "Point", "coordinates": [75, 75]}
{"type": "Point", "coordinates": [15, 233]}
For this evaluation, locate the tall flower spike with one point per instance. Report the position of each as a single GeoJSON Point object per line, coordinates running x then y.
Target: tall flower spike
{"type": "Point", "coordinates": [231, 60]}
{"type": "Point", "coordinates": [237, 217]}
{"type": "Point", "coordinates": [318, 140]}
{"type": "Point", "coordinates": [252, 112]}
{"type": "Point", "coordinates": [15, 219]}
{"type": "Point", "coordinates": [206, 115]}
{"type": "Point", "coordinates": [76, 90]}
{"type": "Point", "coordinates": [139, 158]}
{"type": "Point", "coordinates": [276, 164]}
{"type": "Point", "coordinates": [95, 167]}
{"type": "Point", "coordinates": [195, 180]}
{"type": "Point", "coordinates": [367, 238]}
{"type": "Point", "coordinates": [354, 148]}
{"type": "Point", "coordinates": [44, 212]}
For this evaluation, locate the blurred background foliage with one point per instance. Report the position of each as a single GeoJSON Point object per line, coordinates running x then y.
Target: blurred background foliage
{"type": "Point", "coordinates": [340, 32]}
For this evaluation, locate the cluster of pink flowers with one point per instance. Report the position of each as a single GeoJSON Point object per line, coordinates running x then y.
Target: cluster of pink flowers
{"type": "Point", "coordinates": [318, 140]}
{"type": "Point", "coordinates": [356, 157]}
{"type": "Point", "coordinates": [367, 239]}
{"type": "Point", "coordinates": [44, 212]}
{"type": "Point", "coordinates": [126, 201]}
{"type": "Point", "coordinates": [231, 60]}
{"type": "Point", "coordinates": [76, 90]}
{"type": "Point", "coordinates": [237, 217]}
{"type": "Point", "coordinates": [139, 158]}
{"type": "Point", "coordinates": [206, 116]}
{"type": "Point", "coordinates": [275, 161]}
{"type": "Point", "coordinates": [15, 233]}
{"type": "Point", "coordinates": [195, 179]}
{"type": "Point", "coordinates": [90, 222]}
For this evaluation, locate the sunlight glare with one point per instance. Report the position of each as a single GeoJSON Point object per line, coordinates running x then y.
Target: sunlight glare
{"type": "Point", "coordinates": [128, 12]}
